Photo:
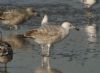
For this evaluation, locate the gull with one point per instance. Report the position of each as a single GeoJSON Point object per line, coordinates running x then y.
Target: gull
{"type": "Point", "coordinates": [88, 3]}
{"type": "Point", "coordinates": [48, 34]}
{"type": "Point", "coordinates": [6, 52]}
{"type": "Point", "coordinates": [14, 17]}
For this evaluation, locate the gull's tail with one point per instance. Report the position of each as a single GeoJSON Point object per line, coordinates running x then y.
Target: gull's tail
{"type": "Point", "coordinates": [44, 20]}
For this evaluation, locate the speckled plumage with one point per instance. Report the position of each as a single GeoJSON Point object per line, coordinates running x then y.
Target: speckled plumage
{"type": "Point", "coordinates": [48, 34]}
{"type": "Point", "coordinates": [6, 52]}
{"type": "Point", "coordinates": [15, 17]}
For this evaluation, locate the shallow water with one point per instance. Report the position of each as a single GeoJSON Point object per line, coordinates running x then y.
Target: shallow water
{"type": "Point", "coordinates": [75, 54]}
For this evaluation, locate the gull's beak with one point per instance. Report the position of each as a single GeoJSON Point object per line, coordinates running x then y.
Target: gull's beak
{"type": "Point", "coordinates": [74, 27]}
{"type": "Point", "coordinates": [37, 14]}
{"type": "Point", "coordinates": [77, 28]}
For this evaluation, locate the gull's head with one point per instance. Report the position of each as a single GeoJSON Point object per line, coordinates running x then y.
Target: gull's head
{"type": "Point", "coordinates": [67, 25]}
{"type": "Point", "coordinates": [44, 20]}
{"type": "Point", "coordinates": [32, 11]}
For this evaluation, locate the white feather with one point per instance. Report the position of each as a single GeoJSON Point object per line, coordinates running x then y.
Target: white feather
{"type": "Point", "coordinates": [44, 20]}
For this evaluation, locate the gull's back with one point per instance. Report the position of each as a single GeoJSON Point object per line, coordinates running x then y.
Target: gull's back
{"type": "Point", "coordinates": [47, 34]}
{"type": "Point", "coordinates": [16, 16]}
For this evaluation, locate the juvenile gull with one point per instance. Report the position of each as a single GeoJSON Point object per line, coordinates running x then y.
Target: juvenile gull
{"type": "Point", "coordinates": [88, 3]}
{"type": "Point", "coordinates": [6, 52]}
{"type": "Point", "coordinates": [15, 17]}
{"type": "Point", "coordinates": [48, 34]}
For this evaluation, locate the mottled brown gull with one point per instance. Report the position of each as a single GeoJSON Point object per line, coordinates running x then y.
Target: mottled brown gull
{"type": "Point", "coordinates": [14, 17]}
{"type": "Point", "coordinates": [6, 52]}
{"type": "Point", "coordinates": [48, 34]}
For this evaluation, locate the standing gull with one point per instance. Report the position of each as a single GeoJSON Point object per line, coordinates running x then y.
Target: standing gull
{"type": "Point", "coordinates": [15, 17]}
{"type": "Point", "coordinates": [48, 34]}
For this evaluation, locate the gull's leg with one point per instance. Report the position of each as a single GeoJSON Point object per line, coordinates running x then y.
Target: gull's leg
{"type": "Point", "coordinates": [15, 26]}
{"type": "Point", "coordinates": [42, 62]}
{"type": "Point", "coordinates": [44, 49]}
{"type": "Point", "coordinates": [48, 62]}
{"type": "Point", "coordinates": [5, 65]}
{"type": "Point", "coordinates": [48, 49]}
{"type": "Point", "coordinates": [42, 46]}
{"type": "Point", "coordinates": [10, 27]}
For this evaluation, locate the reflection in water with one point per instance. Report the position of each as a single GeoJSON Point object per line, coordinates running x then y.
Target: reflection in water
{"type": "Point", "coordinates": [91, 32]}
{"type": "Point", "coordinates": [3, 70]}
{"type": "Point", "coordinates": [90, 17]}
{"type": "Point", "coordinates": [17, 41]}
{"type": "Point", "coordinates": [90, 29]}
{"type": "Point", "coordinates": [81, 56]}
{"type": "Point", "coordinates": [46, 68]}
